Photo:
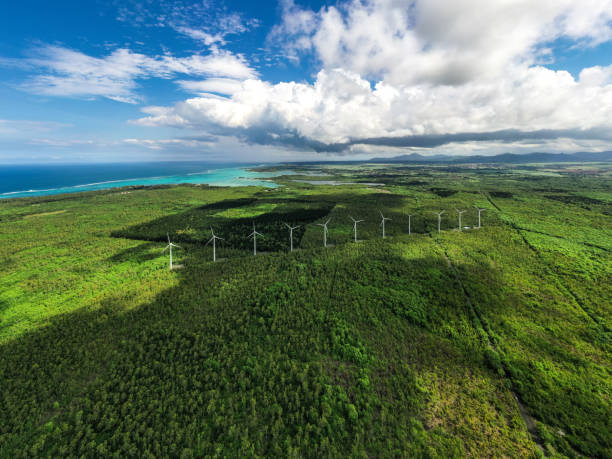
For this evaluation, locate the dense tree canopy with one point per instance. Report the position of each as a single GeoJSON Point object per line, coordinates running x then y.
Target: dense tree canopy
{"type": "Point", "coordinates": [485, 342]}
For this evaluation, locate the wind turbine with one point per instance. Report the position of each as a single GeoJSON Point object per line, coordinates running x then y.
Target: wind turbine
{"type": "Point", "coordinates": [324, 225]}
{"type": "Point", "coordinates": [460, 212]}
{"type": "Point", "coordinates": [409, 232]}
{"type": "Point", "coordinates": [479, 210]}
{"type": "Point", "coordinates": [439, 218]}
{"type": "Point", "coordinates": [291, 228]}
{"type": "Point", "coordinates": [169, 246]}
{"type": "Point", "coordinates": [355, 226]}
{"type": "Point", "coordinates": [254, 235]}
{"type": "Point", "coordinates": [383, 222]}
{"type": "Point", "coordinates": [213, 239]}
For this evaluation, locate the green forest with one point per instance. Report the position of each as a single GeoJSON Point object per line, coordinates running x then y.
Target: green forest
{"type": "Point", "coordinates": [484, 342]}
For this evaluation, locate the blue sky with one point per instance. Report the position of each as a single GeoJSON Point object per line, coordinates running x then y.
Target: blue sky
{"type": "Point", "coordinates": [134, 80]}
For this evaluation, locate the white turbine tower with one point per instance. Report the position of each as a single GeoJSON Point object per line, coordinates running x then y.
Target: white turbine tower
{"type": "Point", "coordinates": [409, 229]}
{"type": "Point", "coordinates": [291, 228]}
{"type": "Point", "coordinates": [460, 212]}
{"type": "Point", "coordinates": [479, 210]}
{"type": "Point", "coordinates": [439, 218]}
{"type": "Point", "coordinates": [213, 239]}
{"type": "Point", "coordinates": [169, 246]}
{"type": "Point", "coordinates": [355, 226]}
{"type": "Point", "coordinates": [383, 223]}
{"type": "Point", "coordinates": [324, 225]}
{"type": "Point", "coordinates": [254, 235]}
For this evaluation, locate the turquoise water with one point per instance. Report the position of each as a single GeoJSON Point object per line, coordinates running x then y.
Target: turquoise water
{"type": "Point", "coordinates": [24, 181]}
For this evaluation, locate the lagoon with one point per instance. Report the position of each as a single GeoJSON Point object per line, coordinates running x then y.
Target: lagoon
{"type": "Point", "coordinates": [40, 180]}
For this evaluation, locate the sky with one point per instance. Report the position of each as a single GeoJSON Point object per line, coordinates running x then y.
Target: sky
{"type": "Point", "coordinates": [164, 80]}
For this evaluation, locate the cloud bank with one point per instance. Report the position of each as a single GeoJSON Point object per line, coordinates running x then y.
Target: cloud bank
{"type": "Point", "coordinates": [434, 75]}
{"type": "Point", "coordinates": [416, 74]}
{"type": "Point", "coordinates": [341, 109]}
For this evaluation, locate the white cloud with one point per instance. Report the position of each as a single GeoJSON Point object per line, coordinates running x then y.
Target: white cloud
{"type": "Point", "coordinates": [68, 72]}
{"type": "Point", "coordinates": [27, 127]}
{"type": "Point", "coordinates": [294, 32]}
{"type": "Point", "coordinates": [204, 21]}
{"type": "Point", "coordinates": [438, 67]}
{"type": "Point", "coordinates": [161, 144]}
{"type": "Point", "coordinates": [200, 35]}
{"type": "Point", "coordinates": [596, 76]}
{"type": "Point", "coordinates": [221, 63]}
{"type": "Point", "coordinates": [222, 26]}
{"type": "Point", "coordinates": [226, 86]}
{"type": "Point", "coordinates": [63, 142]}
{"type": "Point", "coordinates": [436, 41]}
{"type": "Point", "coordinates": [341, 106]}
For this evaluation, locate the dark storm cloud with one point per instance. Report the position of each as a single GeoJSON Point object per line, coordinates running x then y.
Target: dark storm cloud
{"type": "Point", "coordinates": [292, 139]}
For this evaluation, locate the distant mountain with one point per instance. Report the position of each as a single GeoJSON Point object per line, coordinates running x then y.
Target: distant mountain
{"type": "Point", "coordinates": [506, 158]}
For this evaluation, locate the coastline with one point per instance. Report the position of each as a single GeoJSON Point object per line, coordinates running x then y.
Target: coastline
{"type": "Point", "coordinates": [208, 174]}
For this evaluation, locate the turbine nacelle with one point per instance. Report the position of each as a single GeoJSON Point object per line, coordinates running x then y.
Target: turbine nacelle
{"type": "Point", "coordinates": [255, 233]}
{"type": "Point", "coordinates": [383, 217]}
{"type": "Point", "coordinates": [324, 225]}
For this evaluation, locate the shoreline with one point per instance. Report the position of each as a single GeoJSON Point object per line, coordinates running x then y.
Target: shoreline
{"type": "Point", "coordinates": [220, 177]}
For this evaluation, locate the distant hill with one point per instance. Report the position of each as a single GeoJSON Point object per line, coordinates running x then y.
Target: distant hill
{"type": "Point", "coordinates": [507, 158]}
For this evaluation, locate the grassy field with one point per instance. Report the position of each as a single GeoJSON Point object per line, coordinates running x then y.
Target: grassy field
{"type": "Point", "coordinates": [483, 342]}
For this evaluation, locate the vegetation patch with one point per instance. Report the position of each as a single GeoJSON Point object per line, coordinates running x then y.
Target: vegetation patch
{"type": "Point", "coordinates": [501, 194]}
{"type": "Point", "coordinates": [443, 192]}
{"type": "Point", "coordinates": [44, 214]}
{"type": "Point", "coordinates": [574, 199]}
{"type": "Point", "coordinates": [408, 346]}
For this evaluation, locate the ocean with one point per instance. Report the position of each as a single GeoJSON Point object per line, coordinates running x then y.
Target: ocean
{"type": "Point", "coordinates": [40, 180]}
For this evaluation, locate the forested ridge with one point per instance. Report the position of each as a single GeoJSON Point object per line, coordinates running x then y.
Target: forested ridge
{"type": "Point", "coordinates": [412, 346]}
